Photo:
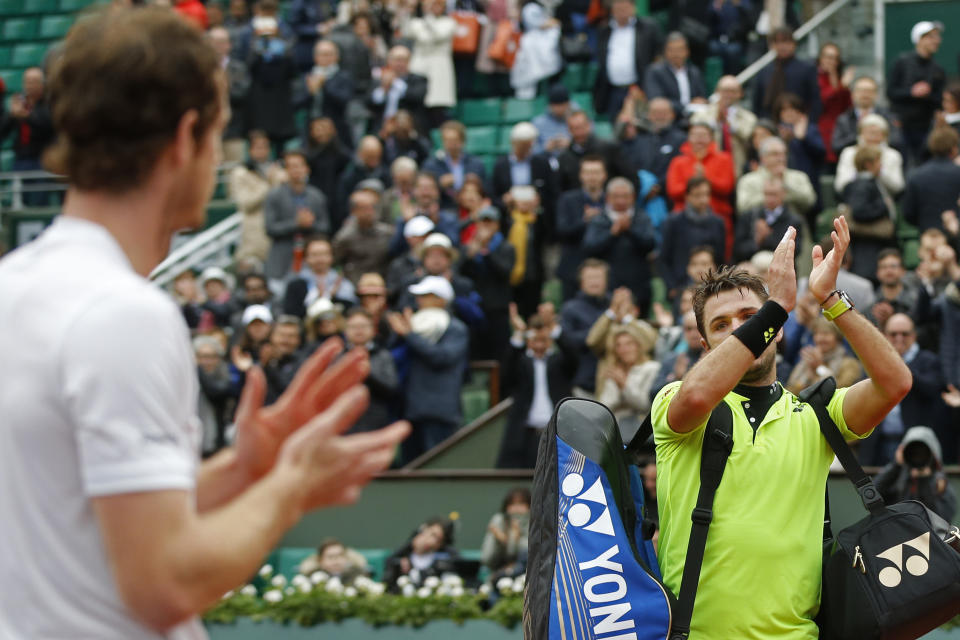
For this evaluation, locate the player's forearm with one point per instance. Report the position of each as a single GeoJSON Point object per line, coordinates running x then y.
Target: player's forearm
{"type": "Point", "coordinates": [884, 366]}
{"type": "Point", "coordinates": [220, 480]}
{"type": "Point", "coordinates": [706, 384]}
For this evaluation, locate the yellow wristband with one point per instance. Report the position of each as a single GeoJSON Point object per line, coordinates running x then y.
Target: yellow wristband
{"type": "Point", "coordinates": [836, 310]}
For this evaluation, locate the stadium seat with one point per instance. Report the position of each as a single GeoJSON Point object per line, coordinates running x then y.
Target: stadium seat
{"type": "Point", "coordinates": [6, 160]}
{"type": "Point", "coordinates": [603, 130]}
{"type": "Point", "coordinates": [573, 76]}
{"type": "Point", "coordinates": [475, 403]}
{"type": "Point", "coordinates": [19, 29]}
{"type": "Point", "coordinates": [55, 27]}
{"type": "Point", "coordinates": [589, 76]}
{"type": "Point", "coordinates": [515, 110]}
{"type": "Point", "coordinates": [712, 70]}
{"type": "Point", "coordinates": [39, 6]}
{"type": "Point", "coordinates": [488, 161]}
{"type": "Point", "coordinates": [483, 111]}
{"type": "Point", "coordinates": [10, 7]}
{"type": "Point", "coordinates": [28, 55]}
{"type": "Point", "coordinates": [75, 5]}
{"type": "Point", "coordinates": [503, 140]}
{"type": "Point", "coordinates": [584, 100]}
{"type": "Point", "coordinates": [482, 139]}
{"type": "Point", "coordinates": [436, 139]}
{"type": "Point", "coordinates": [5, 53]}
{"type": "Point", "coordinates": [12, 79]}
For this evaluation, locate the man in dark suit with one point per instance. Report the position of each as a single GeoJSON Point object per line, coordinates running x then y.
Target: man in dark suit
{"type": "Point", "coordinates": [238, 86]}
{"type": "Point", "coordinates": [762, 228]}
{"type": "Point", "coordinates": [575, 209]}
{"type": "Point", "coordinates": [675, 78]}
{"type": "Point", "coordinates": [396, 89]}
{"type": "Point", "coordinates": [786, 74]}
{"type": "Point", "coordinates": [626, 47]}
{"type": "Point", "coordinates": [584, 143]}
{"type": "Point", "coordinates": [522, 167]}
{"type": "Point", "coordinates": [922, 406]}
{"type": "Point", "coordinates": [453, 164]}
{"type": "Point", "coordinates": [328, 89]}
{"type": "Point", "coordinates": [864, 94]}
{"type": "Point", "coordinates": [368, 165]}
{"type": "Point", "coordinates": [934, 186]}
{"type": "Point", "coordinates": [539, 371]}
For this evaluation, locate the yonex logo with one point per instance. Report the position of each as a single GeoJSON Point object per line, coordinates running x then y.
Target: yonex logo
{"type": "Point", "coordinates": [579, 513]}
{"type": "Point", "coordinates": [916, 565]}
{"type": "Point", "coordinates": [768, 334]}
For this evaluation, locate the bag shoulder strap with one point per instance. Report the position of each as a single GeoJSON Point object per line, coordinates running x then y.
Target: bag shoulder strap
{"type": "Point", "coordinates": [717, 445]}
{"type": "Point", "coordinates": [818, 395]}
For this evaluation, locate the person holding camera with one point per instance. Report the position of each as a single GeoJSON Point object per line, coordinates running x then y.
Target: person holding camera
{"type": "Point", "coordinates": [917, 474]}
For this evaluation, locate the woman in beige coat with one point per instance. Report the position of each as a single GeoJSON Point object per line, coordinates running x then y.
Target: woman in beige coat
{"type": "Point", "coordinates": [432, 57]}
{"type": "Point", "coordinates": [248, 186]}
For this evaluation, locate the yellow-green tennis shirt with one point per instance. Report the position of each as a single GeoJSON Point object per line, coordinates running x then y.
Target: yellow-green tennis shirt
{"type": "Point", "coordinates": [761, 570]}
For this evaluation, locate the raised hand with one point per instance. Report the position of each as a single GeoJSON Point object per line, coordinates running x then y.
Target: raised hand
{"type": "Point", "coordinates": [823, 277]}
{"type": "Point", "coordinates": [516, 321]}
{"type": "Point", "coordinates": [951, 396]}
{"type": "Point", "coordinates": [782, 276]}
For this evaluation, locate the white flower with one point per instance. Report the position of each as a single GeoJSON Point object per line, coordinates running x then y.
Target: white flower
{"type": "Point", "coordinates": [302, 583]}
{"type": "Point", "coordinates": [518, 583]}
{"type": "Point", "coordinates": [228, 594]}
{"type": "Point", "coordinates": [278, 581]}
{"type": "Point", "coordinates": [334, 585]}
{"type": "Point", "coordinates": [350, 592]}
{"type": "Point", "coordinates": [443, 590]}
{"type": "Point", "coordinates": [273, 595]}
{"type": "Point", "coordinates": [266, 571]}
{"type": "Point", "coordinates": [318, 576]}
{"type": "Point", "coordinates": [249, 590]}
{"type": "Point", "coordinates": [408, 590]}
{"type": "Point", "coordinates": [403, 581]}
{"type": "Point", "coordinates": [377, 588]}
{"type": "Point", "coordinates": [424, 592]}
{"type": "Point", "coordinates": [456, 591]}
{"type": "Point", "coordinates": [452, 579]}
{"type": "Point", "coordinates": [289, 591]}
{"type": "Point", "coordinates": [504, 584]}
{"type": "Point", "coordinates": [363, 583]}
{"type": "Point", "coordinates": [432, 582]}
{"type": "Point", "coordinates": [484, 589]}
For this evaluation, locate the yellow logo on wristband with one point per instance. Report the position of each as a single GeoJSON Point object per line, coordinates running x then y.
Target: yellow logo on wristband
{"type": "Point", "coordinates": [768, 334]}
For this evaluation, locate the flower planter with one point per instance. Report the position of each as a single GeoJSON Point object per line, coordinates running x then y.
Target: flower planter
{"type": "Point", "coordinates": [246, 629]}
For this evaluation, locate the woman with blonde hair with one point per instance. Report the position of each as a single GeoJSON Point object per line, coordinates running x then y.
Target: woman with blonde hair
{"type": "Point", "coordinates": [873, 130]}
{"type": "Point", "coordinates": [826, 357]}
{"type": "Point", "coordinates": [625, 377]}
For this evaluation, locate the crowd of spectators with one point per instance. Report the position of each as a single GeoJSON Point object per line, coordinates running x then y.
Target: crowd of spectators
{"type": "Point", "coordinates": [356, 224]}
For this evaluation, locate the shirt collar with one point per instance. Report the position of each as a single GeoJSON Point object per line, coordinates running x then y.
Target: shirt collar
{"type": "Point", "coordinates": [632, 23]}
{"type": "Point", "coordinates": [81, 231]}
{"type": "Point", "coordinates": [911, 353]}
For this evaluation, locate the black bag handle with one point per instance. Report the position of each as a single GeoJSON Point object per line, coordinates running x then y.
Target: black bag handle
{"type": "Point", "coordinates": [817, 396]}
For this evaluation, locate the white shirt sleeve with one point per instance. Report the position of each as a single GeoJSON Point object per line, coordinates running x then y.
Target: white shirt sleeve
{"type": "Point", "coordinates": [129, 384]}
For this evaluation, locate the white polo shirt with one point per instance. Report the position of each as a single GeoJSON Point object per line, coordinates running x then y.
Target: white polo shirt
{"type": "Point", "coordinates": [97, 397]}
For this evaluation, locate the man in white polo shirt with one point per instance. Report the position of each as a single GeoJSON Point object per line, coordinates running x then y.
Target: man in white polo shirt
{"type": "Point", "coordinates": [112, 528]}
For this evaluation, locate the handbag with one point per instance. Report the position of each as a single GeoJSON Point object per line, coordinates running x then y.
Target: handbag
{"type": "Point", "coordinates": [466, 38]}
{"type": "Point", "coordinates": [880, 229]}
{"type": "Point", "coordinates": [505, 43]}
{"type": "Point", "coordinates": [893, 575]}
{"type": "Point", "coordinates": [575, 48]}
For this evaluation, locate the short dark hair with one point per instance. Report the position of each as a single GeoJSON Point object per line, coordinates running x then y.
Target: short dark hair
{"type": "Point", "coordinates": [782, 33]}
{"type": "Point", "coordinates": [358, 311]}
{"type": "Point", "coordinates": [118, 90]}
{"type": "Point", "coordinates": [888, 252]}
{"type": "Point", "coordinates": [518, 493]}
{"type": "Point", "coordinates": [327, 543]}
{"type": "Point", "coordinates": [724, 279]}
{"type": "Point", "coordinates": [695, 182]}
{"type": "Point", "coordinates": [296, 153]}
{"type": "Point", "coordinates": [536, 322]}
{"type": "Point", "coordinates": [702, 248]}
{"type": "Point", "coordinates": [254, 276]}
{"type": "Point", "coordinates": [942, 141]}
{"type": "Point", "coordinates": [316, 238]}
{"type": "Point", "coordinates": [788, 100]}
{"type": "Point", "coordinates": [592, 263]}
{"type": "Point", "coordinates": [865, 156]}
{"type": "Point", "coordinates": [257, 134]}
{"type": "Point", "coordinates": [457, 126]}
{"type": "Point", "coordinates": [593, 157]}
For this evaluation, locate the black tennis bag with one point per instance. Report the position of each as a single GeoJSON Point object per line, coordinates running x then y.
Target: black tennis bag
{"type": "Point", "coordinates": [895, 575]}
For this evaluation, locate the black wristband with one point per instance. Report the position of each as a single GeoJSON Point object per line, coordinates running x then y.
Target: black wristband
{"type": "Point", "coordinates": [761, 329]}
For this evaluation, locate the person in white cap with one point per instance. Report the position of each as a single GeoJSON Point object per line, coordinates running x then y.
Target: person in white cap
{"type": "Point", "coordinates": [218, 306]}
{"type": "Point", "coordinates": [438, 350]}
{"type": "Point", "coordinates": [426, 196]}
{"type": "Point", "coordinates": [523, 167]}
{"type": "Point", "coordinates": [415, 232]}
{"type": "Point", "coordinates": [915, 85]}
{"type": "Point", "coordinates": [439, 258]}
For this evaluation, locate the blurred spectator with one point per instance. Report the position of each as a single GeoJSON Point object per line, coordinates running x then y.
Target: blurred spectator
{"type": "Point", "coordinates": [761, 228]}
{"type": "Point", "coordinates": [805, 148]}
{"type": "Point", "coordinates": [248, 186]}
{"type": "Point", "coordinates": [674, 77]}
{"type": "Point", "coordinates": [401, 139]}
{"type": "Point", "coordinates": [764, 129]}
{"type": "Point", "coordinates": [334, 559]}
{"type": "Point", "coordinates": [950, 115]}
{"type": "Point", "coordinates": [622, 312]}
{"type": "Point", "coordinates": [428, 552]}
{"type": "Point", "coordinates": [623, 237]}
{"type": "Point", "coordinates": [452, 164]}
{"type": "Point", "coordinates": [538, 53]}
{"type": "Point", "coordinates": [538, 373]}
{"type": "Point", "coordinates": [186, 293]}
{"type": "Point", "coordinates": [786, 74]}
{"type": "Point", "coordinates": [218, 393]}
{"type": "Point", "coordinates": [28, 119]}
{"type": "Point", "coordinates": [834, 78]}
{"type": "Point", "coordinates": [922, 406]}
{"type": "Point", "coordinates": [426, 203]}
{"type": "Point", "coordinates": [432, 37]}
{"type": "Point", "coordinates": [583, 142]}
{"type": "Point", "coordinates": [238, 86]}
{"type": "Point", "coordinates": [949, 302]}
{"type": "Point", "coordinates": [471, 199]}
{"type": "Point", "coordinates": [372, 291]}
{"type": "Point", "coordinates": [488, 261]}
{"type": "Point", "coordinates": [917, 474]}
{"type": "Point", "coordinates": [363, 243]}
{"type": "Point", "coordinates": [626, 47]}
{"type": "Point", "coordinates": [695, 226]}
{"type": "Point", "coordinates": [193, 11]}
{"type": "Point", "coordinates": [327, 156]}
{"type": "Point", "coordinates": [846, 129]}
{"type": "Point", "coordinates": [248, 346]}
{"type": "Point", "coordinates": [700, 260]}
{"type": "Point", "coordinates": [367, 165]}
{"type": "Point", "coordinates": [309, 20]}
{"type": "Point", "coordinates": [272, 72]}
{"type": "Point", "coordinates": [895, 293]}
{"type": "Point", "coordinates": [317, 279]}
{"type": "Point", "coordinates": [399, 199]}
{"type": "Point", "coordinates": [872, 212]}
{"type": "Point", "coordinates": [680, 360]}
{"type": "Point", "coordinates": [859, 288]}
{"type": "Point", "coordinates": [773, 163]}
{"type": "Point", "coordinates": [327, 90]}
{"type": "Point", "coordinates": [625, 378]}
{"type": "Point", "coordinates": [368, 31]}
{"type": "Point", "coordinates": [438, 350]}
{"type": "Point", "coordinates": [699, 157]}
{"type": "Point", "coordinates": [730, 26]}
{"type": "Point", "coordinates": [236, 20]}
{"type": "Point", "coordinates": [575, 209]}
{"type": "Point", "coordinates": [873, 131]}
{"type": "Point", "coordinates": [916, 84]}
{"type": "Point", "coordinates": [324, 320]}
{"type": "Point", "coordinates": [526, 231]}
{"type": "Point", "coordinates": [253, 291]}
{"type": "Point", "coordinates": [382, 381]}
{"type": "Point", "coordinates": [522, 167]}
{"type": "Point", "coordinates": [282, 361]}
{"type": "Point", "coordinates": [578, 316]}
{"type": "Point", "coordinates": [397, 88]}
{"type": "Point", "coordinates": [356, 59]}
{"type": "Point", "coordinates": [292, 212]}
{"type": "Point", "coordinates": [934, 187]}
{"type": "Point", "coordinates": [824, 358]}
{"type": "Point", "coordinates": [553, 136]}
{"type": "Point", "coordinates": [732, 123]}
{"type": "Point", "coordinates": [216, 309]}
{"type": "Point", "coordinates": [439, 258]}
{"type": "Point", "coordinates": [413, 233]}
{"type": "Point", "coordinates": [504, 547]}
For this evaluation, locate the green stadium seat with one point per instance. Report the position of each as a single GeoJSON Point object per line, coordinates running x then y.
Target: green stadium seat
{"type": "Point", "coordinates": [6, 160]}
{"type": "Point", "coordinates": [28, 55]}
{"type": "Point", "coordinates": [55, 27]}
{"type": "Point", "coordinates": [475, 403]}
{"type": "Point", "coordinates": [503, 140]}
{"type": "Point", "coordinates": [482, 139]}
{"type": "Point", "coordinates": [12, 79]}
{"type": "Point", "coordinates": [11, 7]}
{"type": "Point", "coordinates": [436, 138]}
{"type": "Point", "coordinates": [39, 6]}
{"type": "Point", "coordinates": [75, 5]}
{"type": "Point", "coordinates": [712, 70]}
{"type": "Point", "coordinates": [584, 100]}
{"type": "Point", "coordinates": [20, 29]}
{"type": "Point", "coordinates": [603, 130]}
{"type": "Point", "coordinates": [573, 76]}
{"type": "Point", "coordinates": [5, 53]}
{"type": "Point", "coordinates": [589, 76]}
{"type": "Point", "coordinates": [488, 160]}
{"type": "Point", "coordinates": [515, 110]}
{"type": "Point", "coordinates": [483, 111]}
